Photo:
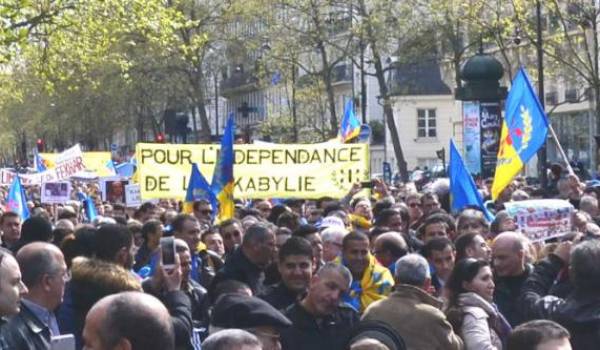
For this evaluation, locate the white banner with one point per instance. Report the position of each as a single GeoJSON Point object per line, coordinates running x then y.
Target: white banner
{"type": "Point", "coordinates": [133, 197]}
{"type": "Point", "coordinates": [56, 192]}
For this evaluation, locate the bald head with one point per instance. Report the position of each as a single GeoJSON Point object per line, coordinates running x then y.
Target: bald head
{"type": "Point", "coordinates": [130, 319]}
{"type": "Point", "coordinates": [509, 254]}
{"type": "Point", "coordinates": [44, 270]}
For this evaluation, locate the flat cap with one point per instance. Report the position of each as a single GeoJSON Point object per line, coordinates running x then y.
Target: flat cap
{"type": "Point", "coordinates": [242, 311]}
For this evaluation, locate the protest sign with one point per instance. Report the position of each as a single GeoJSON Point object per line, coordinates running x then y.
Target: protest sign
{"type": "Point", "coordinates": [260, 171]}
{"type": "Point", "coordinates": [95, 162]}
{"type": "Point", "coordinates": [56, 192]}
{"type": "Point", "coordinates": [541, 219]}
{"type": "Point", "coordinates": [68, 163]}
{"type": "Point", "coordinates": [113, 189]}
{"type": "Point", "coordinates": [132, 195]}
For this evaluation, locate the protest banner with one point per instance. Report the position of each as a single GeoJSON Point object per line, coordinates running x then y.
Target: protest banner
{"type": "Point", "coordinates": [541, 219]}
{"type": "Point", "coordinates": [260, 171]}
{"type": "Point", "coordinates": [56, 192]}
{"type": "Point", "coordinates": [113, 189]}
{"type": "Point", "coordinates": [95, 162]}
{"type": "Point", "coordinates": [132, 195]}
{"type": "Point", "coordinates": [68, 163]}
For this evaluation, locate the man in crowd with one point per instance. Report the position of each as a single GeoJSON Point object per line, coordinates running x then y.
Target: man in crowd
{"type": "Point", "coordinates": [232, 232]}
{"type": "Point", "coordinates": [248, 262]}
{"type": "Point", "coordinates": [12, 289]}
{"type": "Point", "coordinates": [113, 243]}
{"type": "Point", "coordinates": [578, 312]}
{"type": "Point", "coordinates": [319, 321]}
{"type": "Point", "coordinates": [410, 309]}
{"type": "Point", "coordinates": [510, 272]}
{"type": "Point", "coordinates": [129, 320]}
{"type": "Point", "coordinates": [388, 248]}
{"type": "Point", "coordinates": [429, 203]}
{"type": "Point", "coordinates": [295, 266]}
{"type": "Point", "coordinates": [196, 293]}
{"type": "Point", "coordinates": [311, 234]}
{"type": "Point", "coordinates": [214, 242]}
{"type": "Point", "coordinates": [203, 211]}
{"type": "Point", "coordinates": [10, 224]}
{"type": "Point", "coordinates": [264, 208]}
{"type": "Point", "coordinates": [371, 281]}
{"type": "Point", "coordinates": [232, 339]}
{"type": "Point", "coordinates": [44, 273]}
{"type": "Point", "coordinates": [441, 256]}
{"type": "Point", "coordinates": [152, 231]}
{"type": "Point", "coordinates": [251, 314]}
{"type": "Point", "coordinates": [472, 245]}
{"type": "Point", "coordinates": [539, 335]}
{"type": "Point", "coordinates": [433, 227]}
{"type": "Point", "coordinates": [187, 228]}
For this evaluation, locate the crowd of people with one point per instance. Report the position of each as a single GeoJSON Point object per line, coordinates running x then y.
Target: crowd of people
{"type": "Point", "coordinates": [392, 269]}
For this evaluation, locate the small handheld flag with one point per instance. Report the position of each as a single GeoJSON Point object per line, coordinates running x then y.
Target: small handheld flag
{"type": "Point", "coordinates": [17, 200]}
{"type": "Point", "coordinates": [463, 190]}
{"type": "Point", "coordinates": [524, 131]}
{"type": "Point", "coordinates": [198, 188]}
{"type": "Point", "coordinates": [350, 128]}
{"type": "Point", "coordinates": [222, 181]}
{"type": "Point", "coordinates": [38, 162]}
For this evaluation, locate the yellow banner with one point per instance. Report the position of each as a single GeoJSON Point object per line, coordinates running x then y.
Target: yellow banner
{"type": "Point", "coordinates": [260, 171]}
{"type": "Point", "coordinates": [94, 161]}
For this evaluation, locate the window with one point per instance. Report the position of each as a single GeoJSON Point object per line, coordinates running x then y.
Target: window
{"type": "Point", "coordinates": [426, 125]}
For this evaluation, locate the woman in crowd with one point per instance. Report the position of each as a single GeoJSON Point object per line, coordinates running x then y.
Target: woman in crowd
{"type": "Point", "coordinates": [470, 306]}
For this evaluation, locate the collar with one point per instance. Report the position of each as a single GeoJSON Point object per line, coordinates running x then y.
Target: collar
{"type": "Point", "coordinates": [41, 316]}
{"type": "Point", "coordinates": [243, 262]}
{"type": "Point", "coordinates": [406, 291]}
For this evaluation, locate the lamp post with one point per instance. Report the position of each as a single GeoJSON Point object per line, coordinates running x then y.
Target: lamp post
{"type": "Point", "coordinates": [540, 62]}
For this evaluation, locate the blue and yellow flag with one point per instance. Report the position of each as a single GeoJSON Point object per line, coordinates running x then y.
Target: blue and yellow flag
{"type": "Point", "coordinates": [222, 181]}
{"type": "Point", "coordinates": [198, 188]}
{"type": "Point", "coordinates": [39, 162]}
{"type": "Point", "coordinates": [524, 131]}
{"type": "Point", "coordinates": [350, 128]}
{"type": "Point", "coordinates": [17, 200]}
{"type": "Point", "coordinates": [463, 191]}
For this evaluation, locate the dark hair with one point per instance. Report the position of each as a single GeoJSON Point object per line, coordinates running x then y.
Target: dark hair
{"type": "Point", "coordinates": [179, 220]}
{"type": "Point", "coordinates": [81, 244]}
{"type": "Point", "coordinates": [463, 242]}
{"type": "Point", "coordinates": [8, 214]}
{"type": "Point", "coordinates": [288, 219]}
{"type": "Point", "coordinates": [66, 214]}
{"type": "Point", "coordinates": [384, 216]}
{"type": "Point", "coordinates": [357, 200]}
{"type": "Point", "coordinates": [36, 264]}
{"type": "Point", "coordinates": [354, 236]}
{"type": "Point", "coordinates": [146, 207]}
{"type": "Point", "coordinates": [436, 244]}
{"type": "Point", "coordinates": [276, 211]}
{"type": "Point", "coordinates": [585, 272]}
{"type": "Point", "coordinates": [319, 202]}
{"type": "Point", "coordinates": [58, 234]}
{"type": "Point", "coordinates": [228, 287]}
{"type": "Point", "coordinates": [35, 229]}
{"type": "Point", "coordinates": [533, 333]}
{"type": "Point", "coordinates": [150, 227]}
{"type": "Point", "coordinates": [495, 225]}
{"type": "Point", "coordinates": [128, 319]}
{"type": "Point", "coordinates": [110, 238]}
{"type": "Point", "coordinates": [380, 206]}
{"type": "Point", "coordinates": [295, 246]}
{"type": "Point", "coordinates": [199, 202]}
{"type": "Point", "coordinates": [464, 271]}
{"type": "Point", "coordinates": [305, 230]}
{"type": "Point", "coordinates": [257, 233]}
{"type": "Point", "coordinates": [472, 215]}
{"type": "Point", "coordinates": [391, 245]}
{"type": "Point", "coordinates": [437, 218]}
{"type": "Point", "coordinates": [331, 208]}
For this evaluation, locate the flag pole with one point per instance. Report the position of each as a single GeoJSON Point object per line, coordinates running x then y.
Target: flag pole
{"type": "Point", "coordinates": [560, 149]}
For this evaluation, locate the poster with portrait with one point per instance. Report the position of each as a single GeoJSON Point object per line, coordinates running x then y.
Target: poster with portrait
{"type": "Point", "coordinates": [56, 192]}
{"type": "Point", "coordinates": [491, 124]}
{"type": "Point", "coordinates": [113, 189]}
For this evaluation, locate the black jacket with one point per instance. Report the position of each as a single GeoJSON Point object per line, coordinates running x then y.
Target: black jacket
{"type": "Point", "coordinates": [328, 333]}
{"type": "Point", "coordinates": [199, 300]}
{"type": "Point", "coordinates": [26, 331]}
{"type": "Point", "coordinates": [3, 344]}
{"type": "Point", "coordinates": [279, 296]}
{"type": "Point", "coordinates": [506, 296]}
{"type": "Point", "coordinates": [578, 312]}
{"type": "Point", "coordinates": [238, 267]}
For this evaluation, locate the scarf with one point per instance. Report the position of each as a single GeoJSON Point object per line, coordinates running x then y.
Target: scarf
{"type": "Point", "coordinates": [376, 283]}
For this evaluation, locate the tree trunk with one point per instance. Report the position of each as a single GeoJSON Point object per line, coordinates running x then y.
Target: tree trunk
{"type": "Point", "coordinates": [200, 102]}
{"type": "Point", "coordinates": [383, 90]}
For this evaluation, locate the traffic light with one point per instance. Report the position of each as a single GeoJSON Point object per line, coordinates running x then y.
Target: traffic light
{"type": "Point", "coordinates": [160, 138]}
{"type": "Point", "coordinates": [40, 145]}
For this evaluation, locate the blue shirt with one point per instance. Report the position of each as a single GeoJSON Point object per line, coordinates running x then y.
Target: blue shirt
{"type": "Point", "coordinates": [44, 315]}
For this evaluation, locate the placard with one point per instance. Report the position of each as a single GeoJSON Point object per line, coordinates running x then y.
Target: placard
{"type": "Point", "coordinates": [56, 192]}
{"type": "Point", "coordinates": [132, 195]}
{"type": "Point", "coordinates": [113, 189]}
{"type": "Point", "coordinates": [541, 219]}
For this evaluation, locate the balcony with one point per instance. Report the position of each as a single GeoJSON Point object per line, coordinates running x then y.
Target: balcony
{"type": "Point", "coordinates": [239, 83]}
{"type": "Point", "coordinates": [341, 74]}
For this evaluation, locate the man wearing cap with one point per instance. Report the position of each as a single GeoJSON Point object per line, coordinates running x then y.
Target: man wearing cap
{"type": "Point", "coordinates": [295, 267]}
{"type": "Point", "coordinates": [251, 314]}
{"type": "Point", "coordinates": [320, 321]}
